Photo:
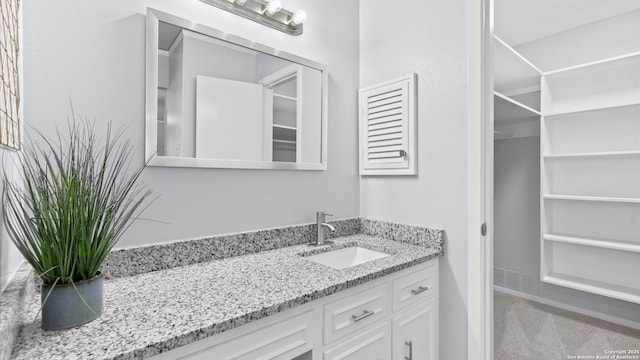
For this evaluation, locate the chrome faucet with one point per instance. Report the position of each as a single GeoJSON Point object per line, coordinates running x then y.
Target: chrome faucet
{"type": "Point", "coordinates": [320, 221]}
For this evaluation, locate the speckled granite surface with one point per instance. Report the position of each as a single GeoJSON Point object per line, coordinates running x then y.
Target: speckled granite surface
{"type": "Point", "coordinates": [139, 260]}
{"type": "Point", "coordinates": [157, 311]}
{"type": "Point", "coordinates": [410, 234]}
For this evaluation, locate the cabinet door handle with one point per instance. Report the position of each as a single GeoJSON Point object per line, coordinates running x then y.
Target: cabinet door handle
{"type": "Point", "coordinates": [419, 290]}
{"type": "Point", "coordinates": [410, 345]}
{"type": "Point", "coordinates": [365, 314]}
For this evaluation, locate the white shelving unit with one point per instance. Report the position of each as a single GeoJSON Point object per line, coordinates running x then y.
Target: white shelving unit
{"type": "Point", "coordinates": [590, 178]}
{"type": "Point", "coordinates": [513, 75]}
{"type": "Point", "coordinates": [285, 118]}
{"type": "Point", "coordinates": [507, 110]}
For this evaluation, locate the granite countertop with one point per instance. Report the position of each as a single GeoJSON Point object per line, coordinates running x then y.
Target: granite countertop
{"type": "Point", "coordinates": [154, 312]}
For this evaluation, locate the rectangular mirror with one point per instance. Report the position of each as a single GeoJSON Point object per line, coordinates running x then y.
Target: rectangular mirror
{"type": "Point", "coordinates": [219, 101]}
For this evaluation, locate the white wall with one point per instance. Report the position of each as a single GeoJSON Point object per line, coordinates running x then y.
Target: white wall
{"type": "Point", "coordinates": [610, 37]}
{"type": "Point", "coordinates": [93, 52]}
{"type": "Point", "coordinates": [173, 133]}
{"type": "Point", "coordinates": [431, 40]}
{"type": "Point", "coordinates": [10, 258]}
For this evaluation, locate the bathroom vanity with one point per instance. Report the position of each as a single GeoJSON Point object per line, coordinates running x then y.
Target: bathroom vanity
{"type": "Point", "coordinates": [264, 295]}
{"type": "Point", "coordinates": [396, 314]}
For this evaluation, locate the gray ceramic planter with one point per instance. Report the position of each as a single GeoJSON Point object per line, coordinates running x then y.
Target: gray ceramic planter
{"type": "Point", "coordinates": [64, 309]}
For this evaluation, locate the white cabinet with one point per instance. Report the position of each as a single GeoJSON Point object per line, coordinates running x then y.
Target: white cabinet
{"type": "Point", "coordinates": [286, 336]}
{"type": "Point", "coordinates": [355, 312]}
{"type": "Point", "coordinates": [371, 345]}
{"type": "Point", "coordinates": [590, 178]}
{"type": "Point", "coordinates": [414, 287]}
{"type": "Point", "coordinates": [408, 323]}
{"type": "Point", "coordinates": [414, 333]}
{"type": "Point", "coordinates": [396, 314]}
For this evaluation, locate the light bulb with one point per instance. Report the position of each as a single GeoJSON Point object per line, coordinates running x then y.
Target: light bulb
{"type": "Point", "coordinates": [298, 18]}
{"type": "Point", "coordinates": [241, 2]}
{"type": "Point", "coordinates": [273, 7]}
{"type": "Point", "coordinates": [231, 1]}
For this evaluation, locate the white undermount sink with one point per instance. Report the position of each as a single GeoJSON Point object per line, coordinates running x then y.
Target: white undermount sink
{"type": "Point", "coordinates": [347, 257]}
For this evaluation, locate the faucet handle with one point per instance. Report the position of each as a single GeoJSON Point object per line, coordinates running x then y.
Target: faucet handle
{"type": "Point", "coordinates": [322, 214]}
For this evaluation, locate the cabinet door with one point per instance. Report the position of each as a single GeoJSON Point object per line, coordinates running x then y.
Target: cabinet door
{"type": "Point", "coordinates": [371, 345]}
{"type": "Point", "coordinates": [282, 340]}
{"type": "Point", "coordinates": [415, 333]}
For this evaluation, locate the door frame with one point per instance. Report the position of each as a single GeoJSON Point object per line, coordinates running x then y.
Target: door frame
{"type": "Point", "coordinates": [480, 181]}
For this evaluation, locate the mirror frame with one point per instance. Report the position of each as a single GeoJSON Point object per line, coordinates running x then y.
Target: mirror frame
{"type": "Point", "coordinates": [151, 101]}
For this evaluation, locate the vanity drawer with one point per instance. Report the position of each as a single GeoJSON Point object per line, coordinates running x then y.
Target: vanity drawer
{"type": "Point", "coordinates": [373, 344]}
{"type": "Point", "coordinates": [283, 339]}
{"type": "Point", "coordinates": [354, 312]}
{"type": "Point", "coordinates": [415, 286]}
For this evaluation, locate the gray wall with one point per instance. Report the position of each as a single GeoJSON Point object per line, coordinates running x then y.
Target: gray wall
{"type": "Point", "coordinates": [431, 40]}
{"type": "Point", "coordinates": [611, 37]}
{"type": "Point", "coordinates": [517, 213]}
{"type": "Point", "coordinates": [93, 52]}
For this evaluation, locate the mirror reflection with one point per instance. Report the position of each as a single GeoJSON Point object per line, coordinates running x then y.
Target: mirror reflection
{"type": "Point", "coordinates": [220, 100]}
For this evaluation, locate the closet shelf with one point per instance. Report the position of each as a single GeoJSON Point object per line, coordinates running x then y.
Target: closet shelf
{"type": "Point", "coordinates": [592, 67]}
{"type": "Point", "coordinates": [595, 287]}
{"type": "Point", "coordinates": [593, 198]}
{"type": "Point", "coordinates": [513, 74]}
{"type": "Point", "coordinates": [501, 135]}
{"type": "Point", "coordinates": [284, 103]}
{"type": "Point", "coordinates": [551, 116]}
{"type": "Point", "coordinates": [607, 244]}
{"type": "Point", "coordinates": [284, 141]}
{"type": "Point", "coordinates": [593, 154]}
{"type": "Point", "coordinates": [507, 110]}
{"type": "Point", "coordinates": [607, 83]}
{"type": "Point", "coordinates": [282, 132]}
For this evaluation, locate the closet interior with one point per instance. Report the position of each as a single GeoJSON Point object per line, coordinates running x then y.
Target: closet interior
{"type": "Point", "coordinates": [585, 120]}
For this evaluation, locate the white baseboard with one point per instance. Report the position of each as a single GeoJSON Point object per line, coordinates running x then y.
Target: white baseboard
{"type": "Point", "coordinates": [575, 309]}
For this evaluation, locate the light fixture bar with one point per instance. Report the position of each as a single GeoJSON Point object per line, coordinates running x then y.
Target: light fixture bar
{"type": "Point", "coordinates": [256, 10]}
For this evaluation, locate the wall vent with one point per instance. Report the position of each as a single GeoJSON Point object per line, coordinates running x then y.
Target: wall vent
{"type": "Point", "coordinates": [388, 128]}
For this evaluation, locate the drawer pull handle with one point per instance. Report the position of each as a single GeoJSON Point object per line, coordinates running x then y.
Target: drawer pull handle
{"type": "Point", "coordinates": [419, 290]}
{"type": "Point", "coordinates": [410, 345]}
{"type": "Point", "coordinates": [365, 314]}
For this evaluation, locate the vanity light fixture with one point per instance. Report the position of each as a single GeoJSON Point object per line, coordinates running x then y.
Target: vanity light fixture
{"type": "Point", "coordinates": [268, 13]}
{"type": "Point", "coordinates": [239, 2]}
{"type": "Point", "coordinates": [272, 7]}
{"type": "Point", "coordinates": [298, 17]}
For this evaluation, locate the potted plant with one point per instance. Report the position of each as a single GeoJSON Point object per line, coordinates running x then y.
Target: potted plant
{"type": "Point", "coordinates": [77, 195]}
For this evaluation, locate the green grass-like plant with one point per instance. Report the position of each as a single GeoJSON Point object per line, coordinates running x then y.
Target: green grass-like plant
{"type": "Point", "coordinates": [79, 193]}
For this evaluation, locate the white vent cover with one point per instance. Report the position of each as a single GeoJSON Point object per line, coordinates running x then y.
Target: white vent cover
{"type": "Point", "coordinates": [387, 128]}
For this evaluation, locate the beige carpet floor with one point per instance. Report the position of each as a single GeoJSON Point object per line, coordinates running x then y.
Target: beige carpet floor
{"type": "Point", "coordinates": [527, 330]}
